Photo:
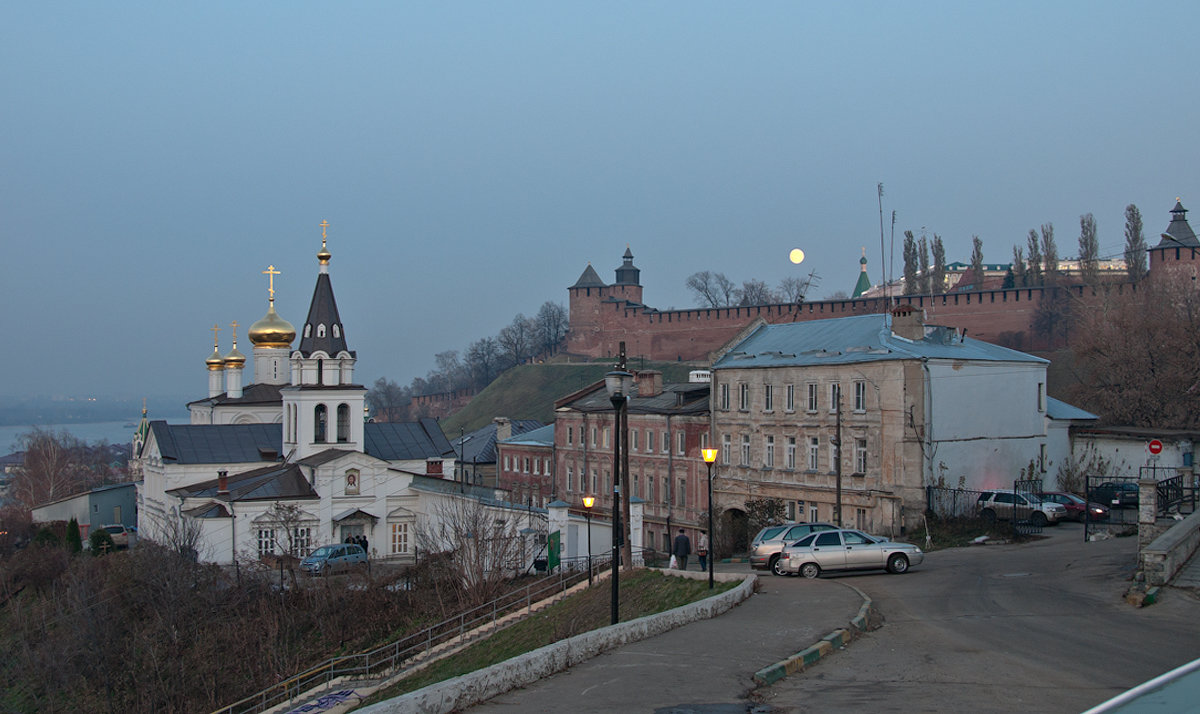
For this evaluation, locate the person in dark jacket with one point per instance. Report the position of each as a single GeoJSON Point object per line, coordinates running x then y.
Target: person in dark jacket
{"type": "Point", "coordinates": [682, 549]}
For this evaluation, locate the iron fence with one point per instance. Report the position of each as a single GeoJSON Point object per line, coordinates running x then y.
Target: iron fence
{"type": "Point", "coordinates": [390, 659]}
{"type": "Point", "coordinates": [951, 502]}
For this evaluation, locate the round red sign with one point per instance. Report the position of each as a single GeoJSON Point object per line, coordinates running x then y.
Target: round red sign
{"type": "Point", "coordinates": [1155, 446]}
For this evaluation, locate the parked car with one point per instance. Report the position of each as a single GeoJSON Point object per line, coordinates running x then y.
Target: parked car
{"type": "Point", "coordinates": [827, 551]}
{"type": "Point", "coordinates": [120, 535]}
{"type": "Point", "coordinates": [999, 504]}
{"type": "Point", "coordinates": [1076, 506]}
{"type": "Point", "coordinates": [329, 559]}
{"type": "Point", "coordinates": [769, 543]}
{"type": "Point", "coordinates": [1117, 493]}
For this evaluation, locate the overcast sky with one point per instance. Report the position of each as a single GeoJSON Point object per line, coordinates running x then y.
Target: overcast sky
{"type": "Point", "coordinates": [472, 158]}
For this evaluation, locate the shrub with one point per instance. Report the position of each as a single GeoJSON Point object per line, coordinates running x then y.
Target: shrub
{"type": "Point", "coordinates": [101, 542]}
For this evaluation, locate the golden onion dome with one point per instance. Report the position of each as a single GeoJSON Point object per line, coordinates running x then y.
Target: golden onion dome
{"type": "Point", "coordinates": [272, 331]}
{"type": "Point", "coordinates": [324, 255]}
{"type": "Point", "coordinates": [215, 361]}
{"type": "Point", "coordinates": [235, 359]}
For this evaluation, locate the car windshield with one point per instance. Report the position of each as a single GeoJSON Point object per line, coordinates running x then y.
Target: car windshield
{"type": "Point", "coordinates": [806, 541]}
{"type": "Point", "coordinates": [114, 529]}
{"type": "Point", "coordinates": [322, 552]}
{"type": "Point", "coordinates": [769, 533]}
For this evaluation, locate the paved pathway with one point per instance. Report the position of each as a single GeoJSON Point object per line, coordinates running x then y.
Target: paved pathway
{"type": "Point", "coordinates": [702, 667]}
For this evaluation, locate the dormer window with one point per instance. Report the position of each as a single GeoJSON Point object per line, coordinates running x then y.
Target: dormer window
{"type": "Point", "coordinates": [320, 330]}
{"type": "Point", "coordinates": [337, 332]}
{"type": "Point", "coordinates": [308, 330]}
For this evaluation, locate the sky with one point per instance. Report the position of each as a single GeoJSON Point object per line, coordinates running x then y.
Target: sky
{"type": "Point", "coordinates": [472, 158]}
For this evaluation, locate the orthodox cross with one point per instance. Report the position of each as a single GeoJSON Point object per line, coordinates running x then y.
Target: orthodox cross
{"type": "Point", "coordinates": [234, 326]}
{"type": "Point", "coordinates": [215, 330]}
{"type": "Point", "coordinates": [271, 272]}
{"type": "Point", "coordinates": [324, 225]}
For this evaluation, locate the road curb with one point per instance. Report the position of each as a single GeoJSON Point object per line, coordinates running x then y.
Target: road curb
{"type": "Point", "coordinates": [866, 620]}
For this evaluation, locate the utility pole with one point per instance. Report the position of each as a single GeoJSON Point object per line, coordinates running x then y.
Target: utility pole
{"type": "Point", "coordinates": [837, 443]}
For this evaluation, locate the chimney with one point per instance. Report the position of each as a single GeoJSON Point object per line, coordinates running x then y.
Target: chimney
{"type": "Point", "coordinates": [908, 322]}
{"type": "Point", "coordinates": [222, 483]}
{"type": "Point", "coordinates": [649, 383]}
{"type": "Point", "coordinates": [433, 467]}
{"type": "Point", "coordinates": [503, 428]}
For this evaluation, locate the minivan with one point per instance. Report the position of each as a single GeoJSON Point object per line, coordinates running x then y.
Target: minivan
{"type": "Point", "coordinates": [330, 559]}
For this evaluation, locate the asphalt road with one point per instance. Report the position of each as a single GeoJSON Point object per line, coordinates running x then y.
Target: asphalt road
{"type": "Point", "coordinates": [1037, 627]}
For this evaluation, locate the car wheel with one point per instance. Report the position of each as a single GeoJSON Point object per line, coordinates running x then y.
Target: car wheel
{"type": "Point", "coordinates": [989, 516]}
{"type": "Point", "coordinates": [810, 570]}
{"type": "Point", "coordinates": [773, 566]}
{"type": "Point", "coordinates": [1038, 519]}
{"type": "Point", "coordinates": [897, 563]}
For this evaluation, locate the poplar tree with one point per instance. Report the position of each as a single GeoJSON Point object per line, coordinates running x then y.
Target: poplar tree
{"type": "Point", "coordinates": [1034, 273]}
{"type": "Point", "coordinates": [910, 263]}
{"type": "Point", "coordinates": [1049, 254]}
{"type": "Point", "coordinates": [1135, 244]}
{"type": "Point", "coordinates": [1089, 249]}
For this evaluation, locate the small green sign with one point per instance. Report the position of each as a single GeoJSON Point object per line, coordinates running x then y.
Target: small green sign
{"type": "Point", "coordinates": [553, 546]}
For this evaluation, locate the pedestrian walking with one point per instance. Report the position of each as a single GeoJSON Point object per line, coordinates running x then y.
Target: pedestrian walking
{"type": "Point", "coordinates": [682, 549]}
{"type": "Point", "coordinates": [702, 551]}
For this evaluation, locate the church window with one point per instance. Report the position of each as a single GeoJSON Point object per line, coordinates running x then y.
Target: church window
{"type": "Point", "coordinates": [320, 371]}
{"type": "Point", "coordinates": [319, 423]}
{"type": "Point", "coordinates": [321, 330]}
{"type": "Point", "coordinates": [399, 538]}
{"type": "Point", "coordinates": [266, 542]}
{"type": "Point", "coordinates": [343, 423]}
{"type": "Point", "coordinates": [308, 330]}
{"type": "Point", "coordinates": [337, 332]}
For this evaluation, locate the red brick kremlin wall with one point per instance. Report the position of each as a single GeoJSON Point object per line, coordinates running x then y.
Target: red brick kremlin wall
{"type": "Point", "coordinates": [600, 321]}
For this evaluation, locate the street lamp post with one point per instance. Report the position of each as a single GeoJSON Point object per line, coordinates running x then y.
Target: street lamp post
{"type": "Point", "coordinates": [710, 455]}
{"type": "Point", "coordinates": [588, 502]}
{"type": "Point", "coordinates": [618, 383]}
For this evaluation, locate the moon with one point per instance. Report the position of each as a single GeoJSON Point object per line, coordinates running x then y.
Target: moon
{"type": "Point", "coordinates": [796, 256]}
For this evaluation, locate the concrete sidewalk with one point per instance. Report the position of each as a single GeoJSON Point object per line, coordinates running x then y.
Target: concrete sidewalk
{"type": "Point", "coordinates": [705, 666]}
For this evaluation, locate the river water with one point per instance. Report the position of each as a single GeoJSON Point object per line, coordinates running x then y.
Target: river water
{"type": "Point", "coordinates": [114, 432]}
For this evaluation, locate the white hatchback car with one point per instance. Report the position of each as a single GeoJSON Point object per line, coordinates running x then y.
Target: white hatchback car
{"type": "Point", "coordinates": [847, 550]}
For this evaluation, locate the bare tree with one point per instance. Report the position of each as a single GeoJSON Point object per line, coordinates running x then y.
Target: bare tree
{"type": "Point", "coordinates": [1135, 244]}
{"type": "Point", "coordinates": [551, 323]}
{"type": "Point", "coordinates": [1034, 272]}
{"type": "Point", "coordinates": [388, 401]}
{"type": "Point", "coordinates": [712, 289]}
{"type": "Point", "coordinates": [57, 464]}
{"type": "Point", "coordinates": [923, 257]}
{"type": "Point", "coordinates": [292, 527]}
{"type": "Point", "coordinates": [756, 292]}
{"type": "Point", "coordinates": [1019, 271]}
{"type": "Point", "coordinates": [482, 543]}
{"type": "Point", "coordinates": [450, 371]}
{"type": "Point", "coordinates": [1140, 356]}
{"type": "Point", "coordinates": [791, 289]}
{"type": "Point", "coordinates": [977, 261]}
{"type": "Point", "coordinates": [483, 361]}
{"type": "Point", "coordinates": [1049, 255]}
{"type": "Point", "coordinates": [938, 278]}
{"type": "Point", "coordinates": [179, 532]}
{"type": "Point", "coordinates": [911, 260]}
{"type": "Point", "coordinates": [516, 340]}
{"type": "Point", "coordinates": [1089, 249]}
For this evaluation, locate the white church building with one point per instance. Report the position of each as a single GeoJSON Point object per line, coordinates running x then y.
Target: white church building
{"type": "Point", "coordinates": [289, 461]}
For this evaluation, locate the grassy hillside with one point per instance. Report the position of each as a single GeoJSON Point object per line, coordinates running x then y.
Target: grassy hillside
{"type": "Point", "coordinates": [529, 391]}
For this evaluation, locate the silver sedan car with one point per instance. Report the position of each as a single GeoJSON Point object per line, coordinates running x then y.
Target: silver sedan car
{"type": "Point", "coordinates": [847, 550]}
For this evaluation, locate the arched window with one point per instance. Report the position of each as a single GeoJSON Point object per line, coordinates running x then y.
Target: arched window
{"type": "Point", "coordinates": [320, 414]}
{"type": "Point", "coordinates": [321, 330]}
{"type": "Point", "coordinates": [343, 423]}
{"type": "Point", "coordinates": [320, 371]}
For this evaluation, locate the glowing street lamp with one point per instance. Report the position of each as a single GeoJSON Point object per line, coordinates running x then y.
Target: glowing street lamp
{"type": "Point", "coordinates": [710, 455]}
{"type": "Point", "coordinates": [588, 502]}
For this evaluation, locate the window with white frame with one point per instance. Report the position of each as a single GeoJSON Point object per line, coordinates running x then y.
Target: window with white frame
{"type": "Point", "coordinates": [399, 544]}
{"type": "Point", "coordinates": [814, 453]}
{"type": "Point", "coordinates": [526, 469]}
{"type": "Point", "coordinates": [593, 436]}
{"type": "Point", "coordinates": [666, 442]}
{"type": "Point", "coordinates": [683, 492]}
{"type": "Point", "coordinates": [814, 515]}
{"type": "Point", "coordinates": [790, 398]}
{"type": "Point", "coordinates": [768, 397]}
{"type": "Point", "coordinates": [723, 393]}
{"type": "Point", "coordinates": [607, 437]}
{"type": "Point", "coordinates": [703, 441]}
{"type": "Point", "coordinates": [594, 482]}
{"type": "Point", "coordinates": [570, 435]}
{"type": "Point", "coordinates": [745, 450]}
{"type": "Point", "coordinates": [537, 467]}
{"type": "Point", "coordinates": [570, 479]}
{"type": "Point", "coordinates": [266, 542]}
{"type": "Point", "coordinates": [743, 396]}
{"type": "Point", "coordinates": [649, 442]}
{"type": "Point", "coordinates": [302, 540]}
{"type": "Point", "coordinates": [834, 455]}
{"type": "Point", "coordinates": [835, 396]}
{"type": "Point", "coordinates": [860, 396]}
{"type": "Point", "coordinates": [726, 446]}
{"type": "Point", "coordinates": [666, 490]}
{"type": "Point", "coordinates": [637, 486]}
{"type": "Point", "coordinates": [860, 456]}
{"type": "Point", "coordinates": [680, 441]}
{"type": "Point", "coordinates": [651, 482]}
{"type": "Point", "coordinates": [812, 396]}
{"type": "Point", "coordinates": [790, 458]}
{"type": "Point", "coordinates": [633, 444]}
{"type": "Point", "coordinates": [769, 452]}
